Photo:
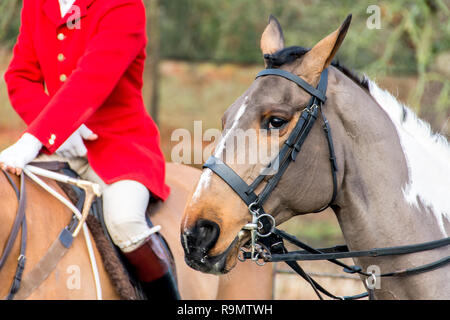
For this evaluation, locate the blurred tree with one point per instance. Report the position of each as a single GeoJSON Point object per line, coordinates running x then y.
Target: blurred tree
{"type": "Point", "coordinates": [152, 75]}
{"type": "Point", "coordinates": [223, 31]}
{"type": "Point", "coordinates": [413, 34]}
{"type": "Point", "coordinates": [419, 31]}
{"type": "Point", "coordinates": [9, 21]}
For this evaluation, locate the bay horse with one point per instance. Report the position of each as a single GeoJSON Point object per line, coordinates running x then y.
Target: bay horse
{"type": "Point", "coordinates": [46, 216]}
{"type": "Point", "coordinates": [389, 182]}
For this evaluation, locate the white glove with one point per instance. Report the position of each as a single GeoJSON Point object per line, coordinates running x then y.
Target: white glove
{"type": "Point", "coordinates": [74, 146]}
{"type": "Point", "coordinates": [20, 154]}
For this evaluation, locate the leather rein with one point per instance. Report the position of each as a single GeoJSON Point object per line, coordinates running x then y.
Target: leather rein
{"type": "Point", "coordinates": [20, 222]}
{"type": "Point", "coordinates": [266, 242]}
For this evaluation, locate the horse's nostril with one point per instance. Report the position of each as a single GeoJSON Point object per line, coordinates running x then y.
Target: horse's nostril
{"type": "Point", "coordinates": [207, 234]}
{"type": "Point", "coordinates": [202, 237]}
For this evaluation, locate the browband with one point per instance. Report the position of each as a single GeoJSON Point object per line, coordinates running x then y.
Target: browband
{"type": "Point", "coordinates": [296, 79]}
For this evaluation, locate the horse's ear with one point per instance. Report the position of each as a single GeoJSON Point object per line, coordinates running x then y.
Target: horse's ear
{"type": "Point", "coordinates": [321, 55]}
{"type": "Point", "coordinates": [272, 39]}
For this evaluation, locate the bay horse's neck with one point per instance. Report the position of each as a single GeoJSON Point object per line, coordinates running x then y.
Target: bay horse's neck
{"type": "Point", "coordinates": [372, 209]}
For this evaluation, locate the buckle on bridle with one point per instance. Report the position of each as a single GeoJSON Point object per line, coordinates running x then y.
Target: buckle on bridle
{"type": "Point", "coordinates": [311, 109]}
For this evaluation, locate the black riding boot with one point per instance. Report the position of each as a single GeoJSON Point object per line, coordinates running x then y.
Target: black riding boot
{"type": "Point", "coordinates": [152, 267]}
{"type": "Point", "coordinates": [163, 288]}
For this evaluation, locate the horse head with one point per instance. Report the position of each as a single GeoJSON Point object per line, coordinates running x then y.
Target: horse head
{"type": "Point", "coordinates": [211, 230]}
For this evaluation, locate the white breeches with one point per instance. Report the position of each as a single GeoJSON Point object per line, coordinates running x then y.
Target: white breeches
{"type": "Point", "coordinates": [124, 204]}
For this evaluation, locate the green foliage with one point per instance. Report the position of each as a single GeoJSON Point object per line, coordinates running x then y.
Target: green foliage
{"type": "Point", "coordinates": [230, 30]}
{"type": "Point", "coordinates": [413, 33]}
{"type": "Point", "coordinates": [9, 21]}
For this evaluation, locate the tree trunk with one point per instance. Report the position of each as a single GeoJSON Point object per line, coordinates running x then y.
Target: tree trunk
{"type": "Point", "coordinates": [151, 74]}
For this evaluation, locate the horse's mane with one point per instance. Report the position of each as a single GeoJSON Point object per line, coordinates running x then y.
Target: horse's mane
{"type": "Point", "coordinates": [290, 54]}
{"type": "Point", "coordinates": [399, 113]}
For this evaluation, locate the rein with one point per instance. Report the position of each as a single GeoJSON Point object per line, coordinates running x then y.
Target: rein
{"type": "Point", "coordinates": [19, 223]}
{"type": "Point", "coordinates": [266, 242]}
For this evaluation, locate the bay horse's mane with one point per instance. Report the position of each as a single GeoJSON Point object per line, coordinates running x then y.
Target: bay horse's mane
{"type": "Point", "coordinates": [290, 54]}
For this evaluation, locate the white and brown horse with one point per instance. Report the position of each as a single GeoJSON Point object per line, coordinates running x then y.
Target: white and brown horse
{"type": "Point", "coordinates": [46, 217]}
{"type": "Point", "coordinates": [393, 178]}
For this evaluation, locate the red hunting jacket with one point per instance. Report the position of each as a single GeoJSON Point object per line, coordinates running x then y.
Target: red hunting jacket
{"type": "Point", "coordinates": [87, 68]}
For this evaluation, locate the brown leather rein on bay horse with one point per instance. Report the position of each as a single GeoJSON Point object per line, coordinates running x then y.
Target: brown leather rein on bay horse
{"type": "Point", "coordinates": [20, 222]}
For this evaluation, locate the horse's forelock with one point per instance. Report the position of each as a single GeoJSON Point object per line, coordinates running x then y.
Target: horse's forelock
{"type": "Point", "coordinates": [284, 56]}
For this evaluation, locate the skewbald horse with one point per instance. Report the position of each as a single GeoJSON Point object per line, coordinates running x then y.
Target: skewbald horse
{"type": "Point", "coordinates": [392, 180]}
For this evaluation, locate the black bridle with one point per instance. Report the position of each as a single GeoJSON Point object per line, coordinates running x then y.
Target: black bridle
{"type": "Point", "coordinates": [267, 241]}
{"type": "Point", "coordinates": [289, 150]}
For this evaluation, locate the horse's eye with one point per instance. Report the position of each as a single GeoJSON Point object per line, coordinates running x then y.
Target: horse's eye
{"type": "Point", "coordinates": [276, 122]}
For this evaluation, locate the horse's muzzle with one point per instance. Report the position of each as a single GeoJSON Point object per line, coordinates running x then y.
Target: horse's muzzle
{"type": "Point", "coordinates": [197, 241]}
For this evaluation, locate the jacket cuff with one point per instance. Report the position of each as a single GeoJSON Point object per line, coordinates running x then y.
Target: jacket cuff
{"type": "Point", "coordinates": [48, 139]}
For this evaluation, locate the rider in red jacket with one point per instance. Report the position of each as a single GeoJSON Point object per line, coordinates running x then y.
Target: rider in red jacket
{"type": "Point", "coordinates": [76, 80]}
